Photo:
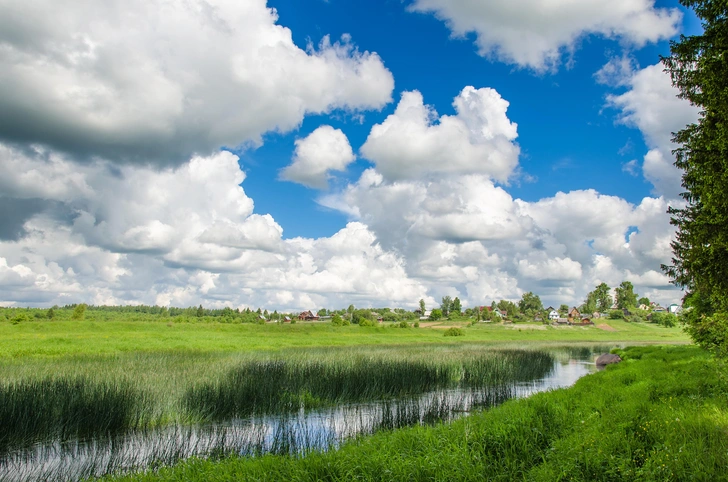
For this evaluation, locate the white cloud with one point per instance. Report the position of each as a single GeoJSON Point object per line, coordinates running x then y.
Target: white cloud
{"type": "Point", "coordinates": [537, 33]}
{"type": "Point", "coordinates": [325, 149]}
{"type": "Point", "coordinates": [651, 105]}
{"type": "Point", "coordinates": [156, 82]}
{"type": "Point", "coordinates": [413, 143]}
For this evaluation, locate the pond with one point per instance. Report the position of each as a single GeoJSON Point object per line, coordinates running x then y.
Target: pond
{"type": "Point", "coordinates": [291, 432]}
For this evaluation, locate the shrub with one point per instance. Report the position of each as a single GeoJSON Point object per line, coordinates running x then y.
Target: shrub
{"type": "Point", "coordinates": [50, 314]}
{"type": "Point", "coordinates": [403, 324]}
{"type": "Point", "coordinates": [616, 315]}
{"type": "Point", "coordinates": [337, 320]}
{"type": "Point", "coordinates": [417, 324]}
{"type": "Point", "coordinates": [79, 311]}
{"type": "Point", "coordinates": [366, 322]}
{"type": "Point", "coordinates": [436, 314]}
{"type": "Point", "coordinates": [19, 318]}
{"type": "Point", "coordinates": [664, 319]}
{"type": "Point", "coordinates": [454, 332]}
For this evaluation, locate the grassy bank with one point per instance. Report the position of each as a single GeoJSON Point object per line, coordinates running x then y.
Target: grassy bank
{"type": "Point", "coordinates": [660, 415]}
{"type": "Point", "coordinates": [63, 338]}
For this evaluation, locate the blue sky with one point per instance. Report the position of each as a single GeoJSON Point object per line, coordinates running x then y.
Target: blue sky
{"type": "Point", "coordinates": [253, 153]}
{"type": "Point", "coordinates": [570, 138]}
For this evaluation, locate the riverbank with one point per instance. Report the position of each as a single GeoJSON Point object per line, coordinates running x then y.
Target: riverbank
{"type": "Point", "coordinates": [660, 415]}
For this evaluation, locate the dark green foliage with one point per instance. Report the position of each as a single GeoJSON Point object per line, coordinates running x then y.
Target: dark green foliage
{"type": "Point", "coordinates": [698, 66]}
{"type": "Point", "coordinates": [625, 297]}
{"type": "Point", "coordinates": [530, 303]}
{"type": "Point", "coordinates": [446, 305]}
{"type": "Point", "coordinates": [456, 307]}
{"type": "Point", "coordinates": [664, 319]}
{"type": "Point", "coordinates": [616, 314]}
{"type": "Point", "coordinates": [436, 314]}
{"type": "Point", "coordinates": [65, 408]}
{"type": "Point", "coordinates": [454, 332]}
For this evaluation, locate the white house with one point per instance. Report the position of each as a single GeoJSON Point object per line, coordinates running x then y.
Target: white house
{"type": "Point", "coordinates": [673, 308]}
{"type": "Point", "coordinates": [553, 315]}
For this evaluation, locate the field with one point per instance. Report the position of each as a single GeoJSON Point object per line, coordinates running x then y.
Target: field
{"type": "Point", "coordinates": [104, 333]}
{"type": "Point", "coordinates": [66, 379]}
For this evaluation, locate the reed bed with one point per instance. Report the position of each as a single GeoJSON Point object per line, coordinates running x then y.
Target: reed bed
{"type": "Point", "coordinates": [83, 400]}
{"type": "Point", "coordinates": [275, 386]}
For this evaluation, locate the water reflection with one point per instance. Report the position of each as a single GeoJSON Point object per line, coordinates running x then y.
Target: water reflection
{"type": "Point", "coordinates": [295, 433]}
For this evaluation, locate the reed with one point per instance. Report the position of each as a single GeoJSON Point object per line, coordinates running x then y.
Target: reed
{"type": "Point", "coordinates": [66, 408]}
{"type": "Point", "coordinates": [275, 386]}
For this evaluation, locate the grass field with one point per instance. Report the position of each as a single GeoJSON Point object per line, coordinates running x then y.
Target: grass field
{"type": "Point", "coordinates": [65, 337]}
{"type": "Point", "coordinates": [660, 415]}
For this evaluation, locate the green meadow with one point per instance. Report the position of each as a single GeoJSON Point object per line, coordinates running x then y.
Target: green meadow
{"type": "Point", "coordinates": [103, 334]}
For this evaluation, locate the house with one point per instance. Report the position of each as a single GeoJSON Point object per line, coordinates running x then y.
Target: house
{"type": "Point", "coordinates": [643, 307]}
{"type": "Point", "coordinates": [574, 313]}
{"type": "Point", "coordinates": [286, 319]}
{"type": "Point", "coordinates": [426, 315]}
{"type": "Point", "coordinates": [659, 309]}
{"type": "Point", "coordinates": [503, 313]}
{"type": "Point", "coordinates": [553, 315]}
{"type": "Point", "coordinates": [586, 321]}
{"type": "Point", "coordinates": [673, 308]}
{"type": "Point", "coordinates": [308, 316]}
{"type": "Point", "coordinates": [377, 316]}
{"type": "Point", "coordinates": [561, 321]}
{"type": "Point", "coordinates": [262, 318]}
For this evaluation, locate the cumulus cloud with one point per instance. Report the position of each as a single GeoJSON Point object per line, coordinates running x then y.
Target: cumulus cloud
{"type": "Point", "coordinates": [537, 33]}
{"type": "Point", "coordinates": [325, 149]}
{"type": "Point", "coordinates": [651, 105]}
{"type": "Point", "coordinates": [413, 142]}
{"type": "Point", "coordinates": [156, 82]}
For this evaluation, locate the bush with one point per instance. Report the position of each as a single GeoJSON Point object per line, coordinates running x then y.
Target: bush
{"type": "Point", "coordinates": [436, 314]}
{"type": "Point", "coordinates": [403, 324]}
{"type": "Point", "coordinates": [454, 332]}
{"type": "Point", "coordinates": [366, 322]}
{"type": "Point", "coordinates": [417, 324]}
{"type": "Point", "coordinates": [79, 311]}
{"type": "Point", "coordinates": [337, 320]}
{"type": "Point", "coordinates": [19, 318]}
{"type": "Point", "coordinates": [616, 315]}
{"type": "Point", "coordinates": [664, 319]}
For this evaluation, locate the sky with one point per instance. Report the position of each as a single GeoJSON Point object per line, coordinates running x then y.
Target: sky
{"type": "Point", "coordinates": [306, 154]}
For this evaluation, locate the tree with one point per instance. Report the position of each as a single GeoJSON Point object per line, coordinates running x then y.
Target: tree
{"type": "Point", "coordinates": [436, 314]}
{"type": "Point", "coordinates": [200, 312]}
{"type": "Point", "coordinates": [698, 68]}
{"type": "Point", "coordinates": [602, 297]}
{"type": "Point", "coordinates": [530, 304]}
{"type": "Point", "coordinates": [625, 296]}
{"type": "Point", "coordinates": [350, 310]}
{"type": "Point", "coordinates": [445, 305]}
{"type": "Point", "coordinates": [644, 301]}
{"type": "Point", "coordinates": [422, 306]}
{"type": "Point", "coordinates": [456, 307]}
{"type": "Point", "coordinates": [79, 311]}
{"type": "Point", "coordinates": [563, 310]}
{"type": "Point", "coordinates": [50, 314]}
{"type": "Point", "coordinates": [509, 307]}
{"type": "Point", "coordinates": [590, 304]}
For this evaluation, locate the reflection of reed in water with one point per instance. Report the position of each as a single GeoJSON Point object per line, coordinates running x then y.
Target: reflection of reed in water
{"type": "Point", "coordinates": [291, 432]}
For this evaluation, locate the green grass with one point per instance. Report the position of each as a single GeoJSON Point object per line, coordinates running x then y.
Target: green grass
{"type": "Point", "coordinates": [44, 399]}
{"type": "Point", "coordinates": [125, 333]}
{"type": "Point", "coordinates": [660, 415]}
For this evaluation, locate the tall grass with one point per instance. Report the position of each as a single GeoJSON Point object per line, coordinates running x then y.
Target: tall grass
{"type": "Point", "coordinates": [66, 408]}
{"type": "Point", "coordinates": [286, 385]}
